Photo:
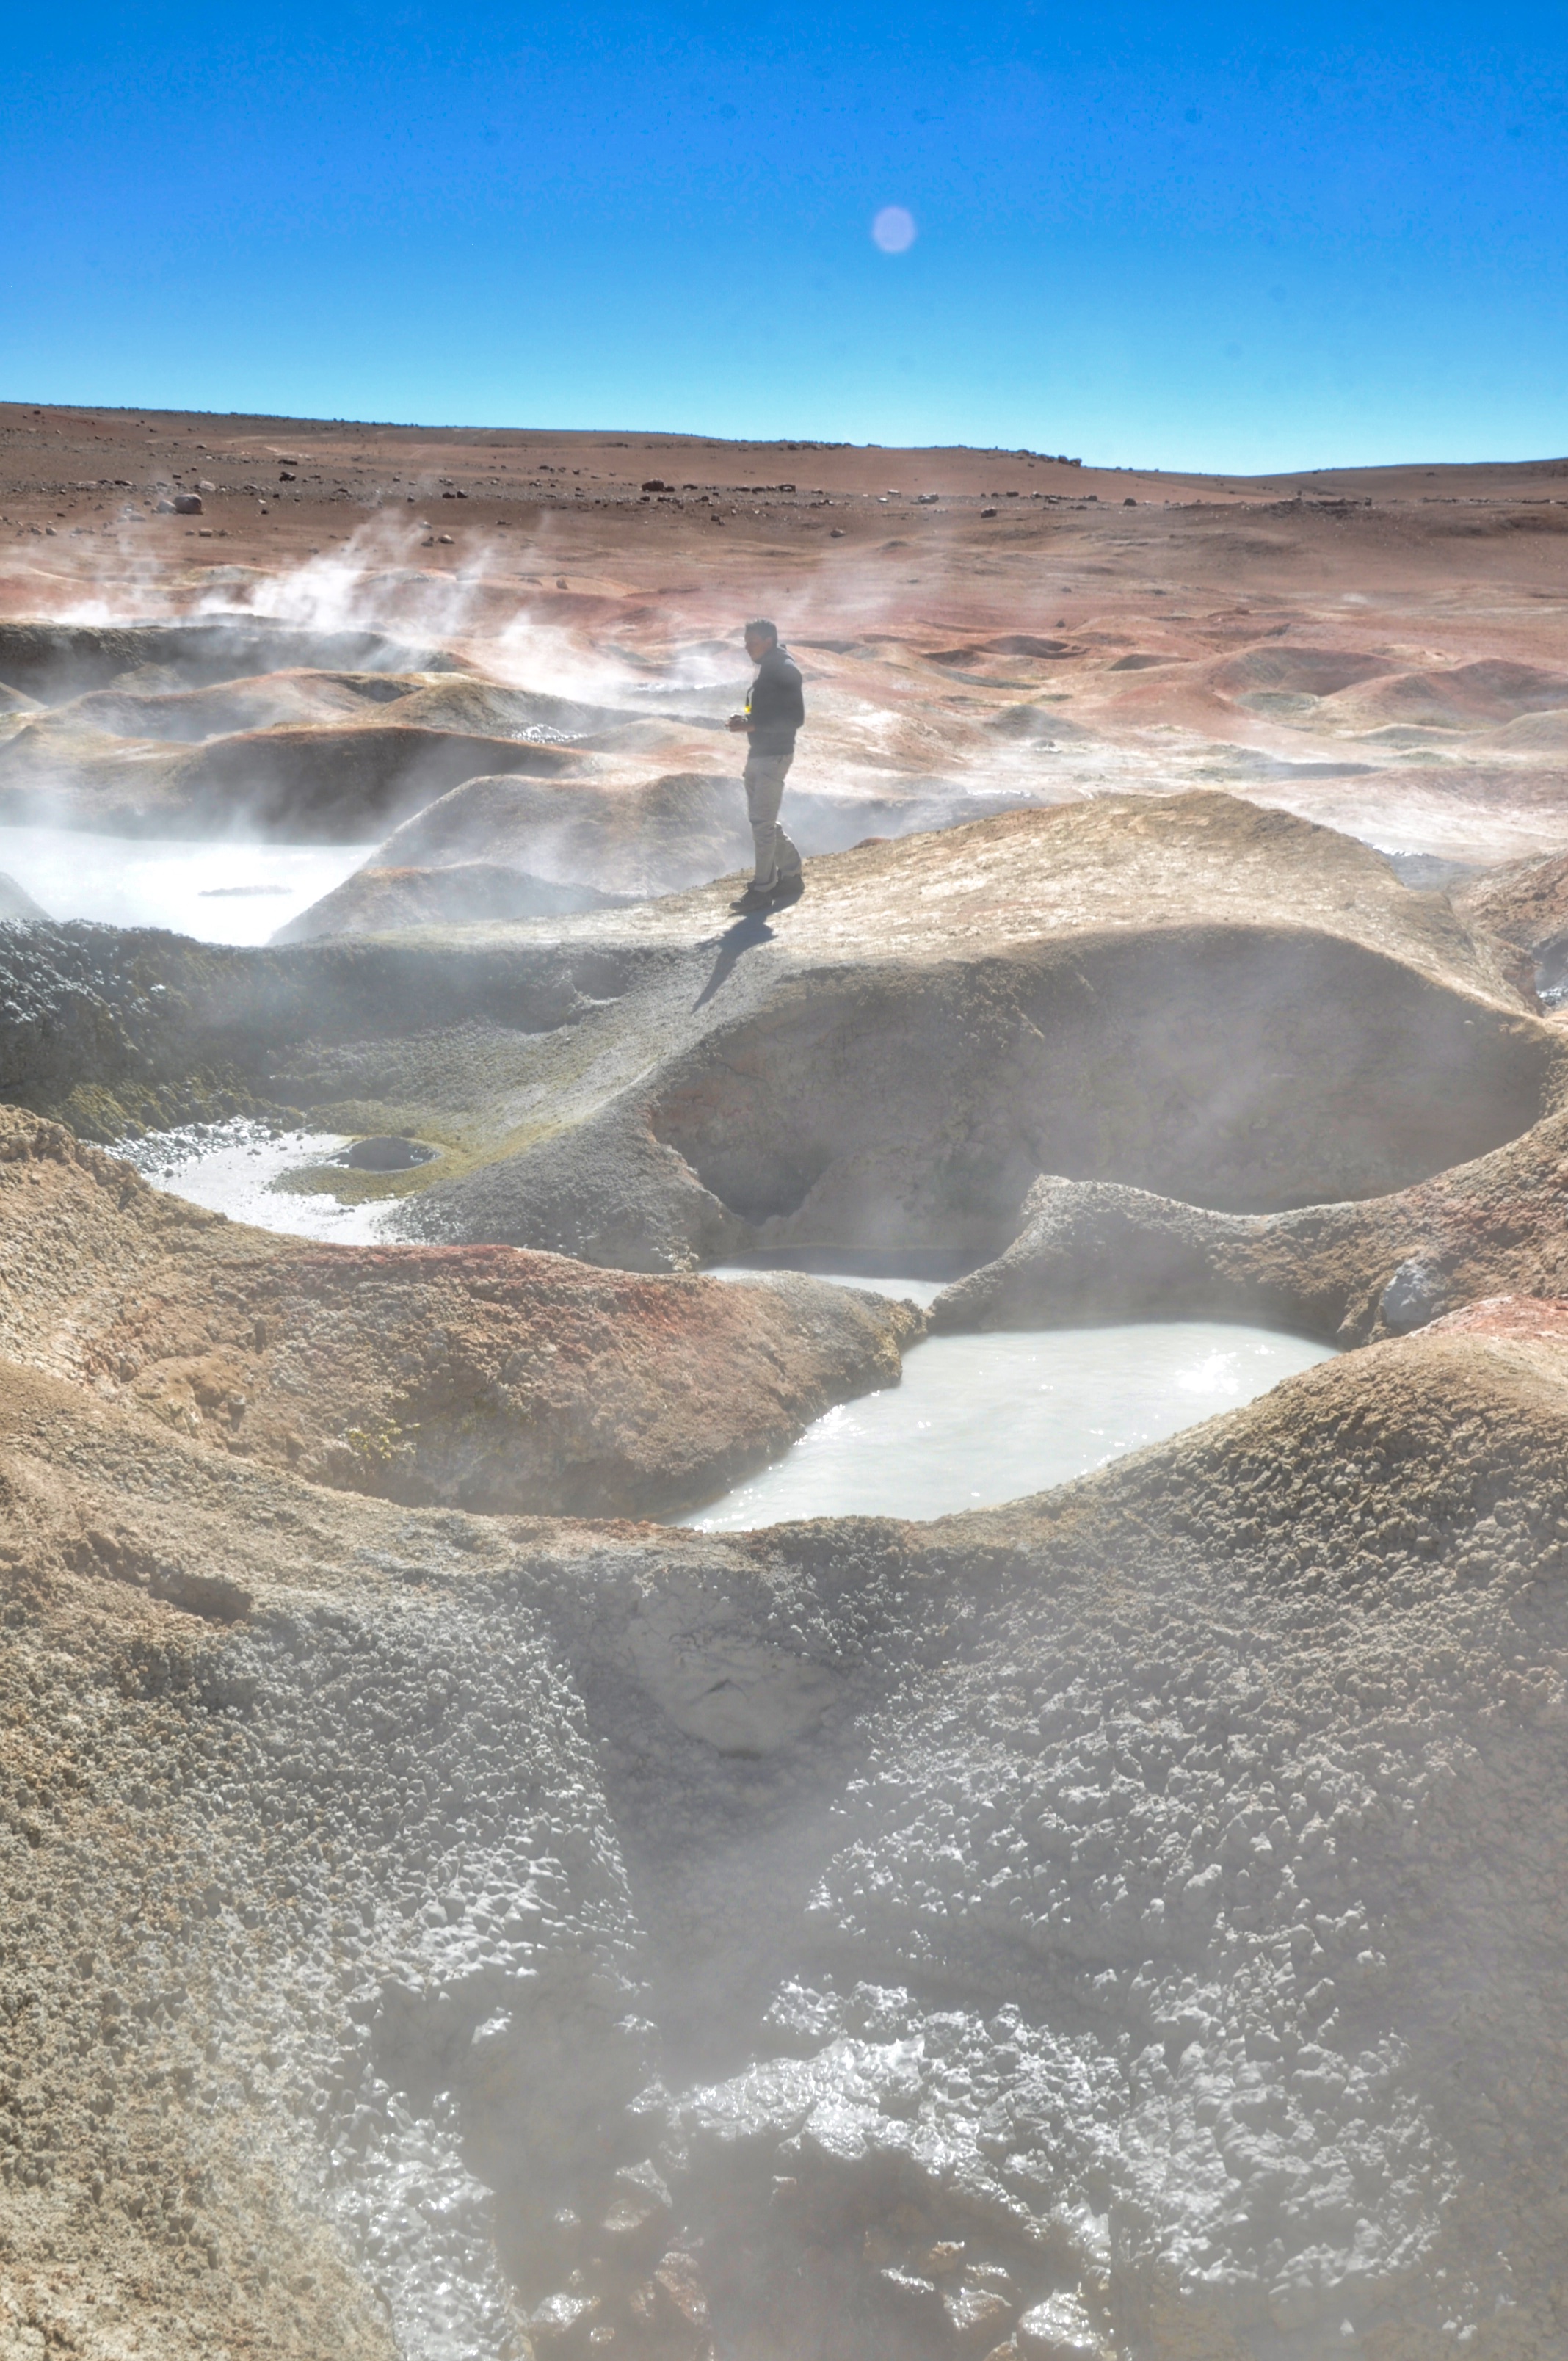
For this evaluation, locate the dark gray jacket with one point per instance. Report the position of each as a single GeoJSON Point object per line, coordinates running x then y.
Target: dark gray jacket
{"type": "Point", "coordinates": [776, 707]}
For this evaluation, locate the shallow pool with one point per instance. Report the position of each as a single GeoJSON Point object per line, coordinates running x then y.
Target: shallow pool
{"type": "Point", "coordinates": [220, 890]}
{"type": "Point", "coordinates": [988, 1418]}
{"type": "Point", "coordinates": [235, 1168]}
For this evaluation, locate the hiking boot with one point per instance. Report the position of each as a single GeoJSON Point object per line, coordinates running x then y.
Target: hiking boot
{"type": "Point", "coordinates": [754, 898]}
{"type": "Point", "coordinates": [787, 890]}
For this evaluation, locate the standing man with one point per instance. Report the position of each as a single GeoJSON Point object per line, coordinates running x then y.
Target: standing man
{"type": "Point", "coordinates": [774, 711]}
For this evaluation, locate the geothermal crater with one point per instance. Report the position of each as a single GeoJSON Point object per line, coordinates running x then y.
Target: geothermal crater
{"type": "Point", "coordinates": [477, 1881]}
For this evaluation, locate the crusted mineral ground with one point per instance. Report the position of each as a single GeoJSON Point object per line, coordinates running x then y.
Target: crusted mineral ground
{"type": "Point", "coordinates": [1140, 1908]}
{"type": "Point", "coordinates": [1379, 649]}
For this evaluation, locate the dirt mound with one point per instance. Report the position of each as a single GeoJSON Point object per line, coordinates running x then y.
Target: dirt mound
{"type": "Point", "coordinates": [1301, 672]}
{"type": "Point", "coordinates": [334, 783]}
{"type": "Point", "coordinates": [1189, 995]}
{"type": "Point", "coordinates": [949, 1015]}
{"type": "Point", "coordinates": [596, 842]}
{"type": "Point", "coordinates": [652, 837]}
{"type": "Point", "coordinates": [16, 907]}
{"type": "Point", "coordinates": [189, 716]}
{"type": "Point", "coordinates": [57, 661]}
{"type": "Point", "coordinates": [1345, 1272]}
{"type": "Point", "coordinates": [1225, 1047]}
{"type": "Point", "coordinates": [469, 892]}
{"type": "Point", "coordinates": [484, 709]}
{"type": "Point", "coordinates": [1524, 905]}
{"type": "Point", "coordinates": [1467, 697]}
{"type": "Point", "coordinates": [1509, 1315]}
{"type": "Point", "coordinates": [1038, 725]}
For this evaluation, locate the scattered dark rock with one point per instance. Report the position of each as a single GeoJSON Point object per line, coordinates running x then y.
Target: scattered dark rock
{"type": "Point", "coordinates": [1416, 1292]}
{"type": "Point", "coordinates": [387, 1155]}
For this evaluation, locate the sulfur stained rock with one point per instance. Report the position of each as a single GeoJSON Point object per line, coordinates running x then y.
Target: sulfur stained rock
{"type": "Point", "coordinates": [556, 2323]}
{"type": "Point", "coordinates": [639, 2213]}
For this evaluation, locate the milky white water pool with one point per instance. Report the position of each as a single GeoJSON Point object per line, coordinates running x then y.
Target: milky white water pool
{"type": "Point", "coordinates": [988, 1418]}
{"type": "Point", "coordinates": [977, 1419]}
{"type": "Point", "coordinates": [220, 890]}
{"type": "Point", "coordinates": [235, 1168]}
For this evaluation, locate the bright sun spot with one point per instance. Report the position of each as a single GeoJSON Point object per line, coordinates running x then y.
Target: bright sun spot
{"type": "Point", "coordinates": [893, 229]}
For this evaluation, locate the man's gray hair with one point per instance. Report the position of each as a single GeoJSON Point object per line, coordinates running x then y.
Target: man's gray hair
{"type": "Point", "coordinates": [763, 630]}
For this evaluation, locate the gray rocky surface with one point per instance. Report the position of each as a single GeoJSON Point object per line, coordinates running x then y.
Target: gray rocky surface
{"type": "Point", "coordinates": [1140, 1901]}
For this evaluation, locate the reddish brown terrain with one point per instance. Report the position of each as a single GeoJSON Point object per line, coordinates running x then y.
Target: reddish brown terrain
{"type": "Point", "coordinates": [1380, 649]}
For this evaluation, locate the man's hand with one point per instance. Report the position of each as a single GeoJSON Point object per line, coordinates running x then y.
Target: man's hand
{"type": "Point", "coordinates": [738, 722]}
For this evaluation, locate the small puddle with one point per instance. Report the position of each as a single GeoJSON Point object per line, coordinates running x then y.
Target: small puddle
{"type": "Point", "coordinates": [982, 1419]}
{"type": "Point", "coordinates": [219, 891]}
{"type": "Point", "coordinates": [236, 1168]}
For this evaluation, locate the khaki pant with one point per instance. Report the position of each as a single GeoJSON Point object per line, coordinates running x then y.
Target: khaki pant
{"type": "Point", "coordinates": [776, 856]}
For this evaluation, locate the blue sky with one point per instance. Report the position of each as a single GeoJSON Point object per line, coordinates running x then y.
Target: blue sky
{"type": "Point", "coordinates": [1227, 238]}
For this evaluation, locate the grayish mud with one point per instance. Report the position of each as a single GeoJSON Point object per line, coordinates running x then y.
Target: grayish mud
{"type": "Point", "coordinates": [977, 1420]}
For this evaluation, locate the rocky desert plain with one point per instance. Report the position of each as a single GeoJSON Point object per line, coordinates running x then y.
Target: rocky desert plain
{"type": "Point", "coordinates": [452, 1910]}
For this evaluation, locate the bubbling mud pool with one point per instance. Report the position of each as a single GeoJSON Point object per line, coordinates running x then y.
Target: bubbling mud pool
{"type": "Point", "coordinates": [982, 1419]}
{"type": "Point", "coordinates": [217, 890]}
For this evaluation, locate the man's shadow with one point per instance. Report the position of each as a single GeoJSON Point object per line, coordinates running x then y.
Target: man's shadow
{"type": "Point", "coordinates": [747, 934]}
